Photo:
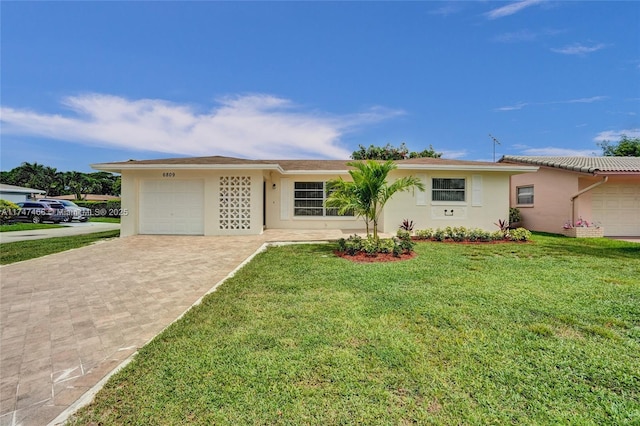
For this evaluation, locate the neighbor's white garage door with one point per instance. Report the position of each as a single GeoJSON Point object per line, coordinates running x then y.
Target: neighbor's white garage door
{"type": "Point", "coordinates": [174, 207]}
{"type": "Point", "coordinates": [617, 208]}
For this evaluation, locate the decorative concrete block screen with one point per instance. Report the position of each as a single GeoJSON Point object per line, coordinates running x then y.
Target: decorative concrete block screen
{"type": "Point", "coordinates": [235, 202]}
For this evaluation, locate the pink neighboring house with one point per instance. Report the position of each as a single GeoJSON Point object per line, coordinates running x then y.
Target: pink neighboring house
{"type": "Point", "coordinates": [604, 191]}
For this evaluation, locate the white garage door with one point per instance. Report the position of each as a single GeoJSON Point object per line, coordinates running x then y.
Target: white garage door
{"type": "Point", "coordinates": [173, 207]}
{"type": "Point", "coordinates": [617, 208]}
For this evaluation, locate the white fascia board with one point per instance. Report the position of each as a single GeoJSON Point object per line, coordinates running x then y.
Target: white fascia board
{"type": "Point", "coordinates": [315, 172]}
{"type": "Point", "coordinates": [449, 167]}
{"type": "Point", "coordinates": [22, 191]}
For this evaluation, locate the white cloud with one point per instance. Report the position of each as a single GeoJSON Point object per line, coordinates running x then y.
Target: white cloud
{"type": "Point", "coordinates": [583, 100]}
{"type": "Point", "coordinates": [511, 8]}
{"type": "Point", "coordinates": [559, 152]}
{"type": "Point", "coordinates": [253, 126]}
{"type": "Point", "coordinates": [453, 155]}
{"type": "Point", "coordinates": [525, 35]}
{"type": "Point", "coordinates": [521, 105]}
{"type": "Point", "coordinates": [615, 135]}
{"type": "Point", "coordinates": [446, 10]}
{"type": "Point", "coordinates": [579, 49]}
{"type": "Point", "coordinates": [512, 107]}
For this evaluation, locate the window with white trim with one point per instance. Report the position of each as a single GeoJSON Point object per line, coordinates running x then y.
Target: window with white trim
{"type": "Point", "coordinates": [524, 194]}
{"type": "Point", "coordinates": [309, 198]}
{"type": "Point", "coordinates": [448, 189]}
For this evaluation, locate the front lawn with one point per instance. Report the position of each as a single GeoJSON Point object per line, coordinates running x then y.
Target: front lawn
{"type": "Point", "coordinates": [104, 219]}
{"type": "Point", "coordinates": [23, 226]}
{"type": "Point", "coordinates": [546, 332]}
{"type": "Point", "coordinates": [30, 249]}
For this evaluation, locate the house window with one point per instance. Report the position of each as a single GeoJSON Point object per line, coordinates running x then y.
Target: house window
{"type": "Point", "coordinates": [447, 189]}
{"type": "Point", "coordinates": [524, 194]}
{"type": "Point", "coordinates": [309, 198]}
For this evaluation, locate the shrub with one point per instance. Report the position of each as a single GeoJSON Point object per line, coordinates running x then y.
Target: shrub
{"type": "Point", "coordinates": [370, 246]}
{"type": "Point", "coordinates": [424, 234]}
{"type": "Point", "coordinates": [502, 224]}
{"type": "Point", "coordinates": [404, 240]}
{"type": "Point", "coordinates": [498, 235]}
{"type": "Point", "coordinates": [439, 235]}
{"type": "Point", "coordinates": [342, 245]}
{"type": "Point", "coordinates": [8, 211]}
{"type": "Point", "coordinates": [484, 236]}
{"type": "Point", "coordinates": [353, 244]}
{"type": "Point", "coordinates": [397, 248]}
{"type": "Point", "coordinates": [407, 225]}
{"type": "Point", "coordinates": [459, 233]}
{"type": "Point", "coordinates": [520, 234]}
{"type": "Point", "coordinates": [514, 215]}
{"type": "Point", "coordinates": [113, 208]}
{"type": "Point", "coordinates": [386, 245]}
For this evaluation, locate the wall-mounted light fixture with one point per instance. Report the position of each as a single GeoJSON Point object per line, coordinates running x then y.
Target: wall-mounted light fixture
{"type": "Point", "coordinates": [273, 186]}
{"type": "Point", "coordinates": [447, 213]}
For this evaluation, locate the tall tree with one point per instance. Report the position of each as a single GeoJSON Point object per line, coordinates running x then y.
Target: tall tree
{"type": "Point", "coordinates": [80, 183]}
{"type": "Point", "coordinates": [368, 191]}
{"type": "Point", "coordinates": [627, 147]}
{"type": "Point", "coordinates": [390, 152]}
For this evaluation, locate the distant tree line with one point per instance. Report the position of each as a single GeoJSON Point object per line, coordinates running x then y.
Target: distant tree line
{"type": "Point", "coordinates": [55, 183]}
{"type": "Point", "coordinates": [627, 147]}
{"type": "Point", "coordinates": [390, 152]}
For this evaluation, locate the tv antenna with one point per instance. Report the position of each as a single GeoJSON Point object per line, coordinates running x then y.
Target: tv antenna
{"type": "Point", "coordinates": [495, 141]}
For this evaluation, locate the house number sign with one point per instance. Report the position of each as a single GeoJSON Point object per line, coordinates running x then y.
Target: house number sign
{"type": "Point", "coordinates": [168, 174]}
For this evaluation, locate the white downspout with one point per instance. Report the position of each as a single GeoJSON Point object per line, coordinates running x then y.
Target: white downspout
{"type": "Point", "coordinates": [579, 193]}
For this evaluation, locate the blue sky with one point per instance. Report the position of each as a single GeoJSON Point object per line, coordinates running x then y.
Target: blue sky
{"type": "Point", "coordinates": [91, 82]}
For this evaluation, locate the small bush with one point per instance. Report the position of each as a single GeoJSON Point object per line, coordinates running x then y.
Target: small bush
{"type": "Point", "coordinates": [342, 245]}
{"type": "Point", "coordinates": [439, 235]}
{"type": "Point", "coordinates": [386, 245]}
{"type": "Point", "coordinates": [353, 244]}
{"type": "Point", "coordinates": [520, 234]}
{"type": "Point", "coordinates": [370, 246]}
{"type": "Point", "coordinates": [404, 240]}
{"type": "Point", "coordinates": [8, 211]}
{"type": "Point", "coordinates": [459, 234]}
{"type": "Point", "coordinates": [514, 215]}
{"type": "Point", "coordinates": [498, 235]}
{"type": "Point", "coordinates": [424, 234]}
{"type": "Point", "coordinates": [407, 225]}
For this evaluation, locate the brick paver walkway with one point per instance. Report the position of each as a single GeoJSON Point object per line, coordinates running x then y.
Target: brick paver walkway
{"type": "Point", "coordinates": [69, 319]}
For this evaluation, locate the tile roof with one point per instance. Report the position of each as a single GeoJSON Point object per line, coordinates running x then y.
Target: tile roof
{"type": "Point", "coordinates": [593, 165]}
{"type": "Point", "coordinates": [295, 165]}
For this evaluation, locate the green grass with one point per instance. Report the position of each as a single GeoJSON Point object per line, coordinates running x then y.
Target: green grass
{"type": "Point", "coordinates": [19, 226]}
{"type": "Point", "coordinates": [540, 333]}
{"type": "Point", "coordinates": [25, 250]}
{"type": "Point", "coordinates": [105, 219]}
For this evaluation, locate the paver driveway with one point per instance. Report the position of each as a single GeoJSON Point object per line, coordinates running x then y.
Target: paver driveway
{"type": "Point", "coordinates": [69, 319]}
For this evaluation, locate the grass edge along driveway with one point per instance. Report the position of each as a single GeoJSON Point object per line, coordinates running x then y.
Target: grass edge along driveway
{"type": "Point", "coordinates": [539, 333]}
{"type": "Point", "coordinates": [24, 250]}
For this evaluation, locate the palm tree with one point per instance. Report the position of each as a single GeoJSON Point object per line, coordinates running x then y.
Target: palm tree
{"type": "Point", "coordinates": [368, 191]}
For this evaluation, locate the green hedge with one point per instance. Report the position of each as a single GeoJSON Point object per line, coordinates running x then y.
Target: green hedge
{"type": "Point", "coordinates": [8, 211]}
{"type": "Point", "coordinates": [112, 208]}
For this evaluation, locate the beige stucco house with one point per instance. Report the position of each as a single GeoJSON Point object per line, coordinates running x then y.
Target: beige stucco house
{"type": "Point", "coordinates": [601, 190]}
{"type": "Point", "coordinates": [233, 196]}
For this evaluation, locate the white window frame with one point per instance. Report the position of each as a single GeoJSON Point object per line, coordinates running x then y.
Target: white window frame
{"type": "Point", "coordinates": [324, 198]}
{"type": "Point", "coordinates": [518, 195]}
{"type": "Point", "coordinates": [445, 202]}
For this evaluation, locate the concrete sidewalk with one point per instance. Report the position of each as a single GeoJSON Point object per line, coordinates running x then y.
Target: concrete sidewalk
{"type": "Point", "coordinates": [68, 229]}
{"type": "Point", "coordinates": [67, 320]}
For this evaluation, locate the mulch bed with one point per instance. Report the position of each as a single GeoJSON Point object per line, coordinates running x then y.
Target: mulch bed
{"type": "Point", "coordinates": [362, 257]}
